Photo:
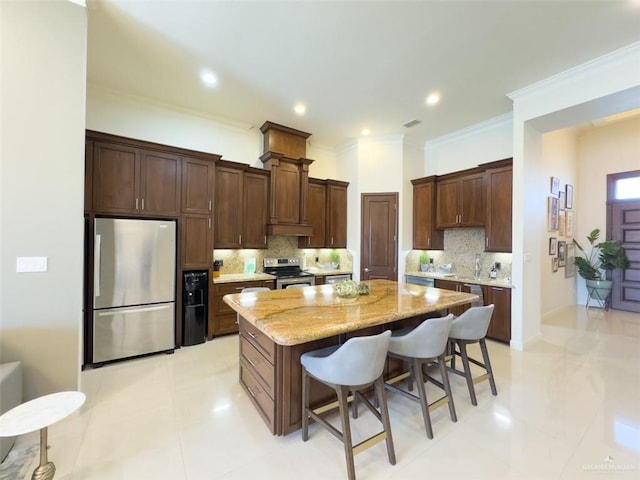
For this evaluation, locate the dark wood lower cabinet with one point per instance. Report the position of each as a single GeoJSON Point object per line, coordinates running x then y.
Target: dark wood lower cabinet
{"type": "Point", "coordinates": [271, 374]}
{"type": "Point", "coordinates": [222, 318]}
{"type": "Point", "coordinates": [500, 326]}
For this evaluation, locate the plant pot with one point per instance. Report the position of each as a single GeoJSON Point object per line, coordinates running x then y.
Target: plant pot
{"type": "Point", "coordinates": [599, 290]}
{"type": "Point", "coordinates": [424, 267]}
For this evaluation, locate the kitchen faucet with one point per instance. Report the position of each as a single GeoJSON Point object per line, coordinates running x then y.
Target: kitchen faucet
{"type": "Point", "coordinates": [477, 274]}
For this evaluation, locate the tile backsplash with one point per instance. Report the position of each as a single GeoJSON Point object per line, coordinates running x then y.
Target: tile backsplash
{"type": "Point", "coordinates": [279, 246]}
{"type": "Point", "coordinates": [460, 248]}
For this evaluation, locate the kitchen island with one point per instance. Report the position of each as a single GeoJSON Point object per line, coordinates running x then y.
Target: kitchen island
{"type": "Point", "coordinates": [277, 327]}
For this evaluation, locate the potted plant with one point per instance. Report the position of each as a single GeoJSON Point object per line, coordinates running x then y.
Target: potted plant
{"type": "Point", "coordinates": [424, 262]}
{"type": "Point", "coordinates": [334, 258]}
{"type": "Point", "coordinates": [595, 264]}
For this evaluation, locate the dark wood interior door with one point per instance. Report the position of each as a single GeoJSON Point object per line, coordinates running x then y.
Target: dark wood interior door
{"type": "Point", "coordinates": [379, 245]}
{"type": "Point", "coordinates": [625, 227]}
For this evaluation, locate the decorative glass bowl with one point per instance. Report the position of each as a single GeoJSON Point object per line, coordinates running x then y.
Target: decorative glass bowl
{"type": "Point", "coordinates": [346, 289]}
{"type": "Point", "coordinates": [350, 289]}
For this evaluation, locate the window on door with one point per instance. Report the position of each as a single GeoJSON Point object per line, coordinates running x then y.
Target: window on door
{"type": "Point", "coordinates": [623, 186]}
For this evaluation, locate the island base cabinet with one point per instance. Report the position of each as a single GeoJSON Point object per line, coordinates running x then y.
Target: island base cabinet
{"type": "Point", "coordinates": [271, 374]}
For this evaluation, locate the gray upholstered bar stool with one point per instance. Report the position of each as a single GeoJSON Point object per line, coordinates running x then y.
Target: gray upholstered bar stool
{"type": "Point", "coordinates": [424, 345]}
{"type": "Point", "coordinates": [350, 367]}
{"type": "Point", "coordinates": [471, 327]}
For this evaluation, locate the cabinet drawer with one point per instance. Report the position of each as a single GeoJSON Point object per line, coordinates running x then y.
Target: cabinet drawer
{"type": "Point", "coordinates": [259, 340]}
{"type": "Point", "coordinates": [221, 289]}
{"type": "Point", "coordinates": [258, 395]}
{"type": "Point", "coordinates": [263, 370]}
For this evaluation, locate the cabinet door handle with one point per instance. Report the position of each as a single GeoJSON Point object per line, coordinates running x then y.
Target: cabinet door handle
{"type": "Point", "coordinates": [143, 204]}
{"type": "Point", "coordinates": [251, 334]}
{"type": "Point", "coordinates": [209, 205]}
{"type": "Point", "coordinates": [331, 240]}
{"type": "Point", "coordinates": [240, 238]}
{"type": "Point", "coordinates": [429, 242]}
{"type": "Point", "coordinates": [251, 363]}
{"type": "Point", "coordinates": [209, 221]}
{"type": "Point", "coordinates": [486, 241]}
{"type": "Point", "coordinates": [253, 394]}
{"type": "Point", "coordinates": [498, 289]}
{"type": "Point", "coordinates": [136, 203]}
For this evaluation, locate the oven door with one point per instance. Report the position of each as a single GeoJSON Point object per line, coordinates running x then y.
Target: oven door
{"type": "Point", "coordinates": [282, 283]}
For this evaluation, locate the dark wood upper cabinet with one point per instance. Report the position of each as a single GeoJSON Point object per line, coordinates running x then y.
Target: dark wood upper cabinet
{"type": "Point", "coordinates": [196, 242]}
{"type": "Point", "coordinates": [498, 220]}
{"type": "Point", "coordinates": [317, 206]}
{"type": "Point", "coordinates": [116, 178]}
{"type": "Point", "coordinates": [460, 200]}
{"type": "Point", "coordinates": [256, 207]}
{"type": "Point", "coordinates": [327, 212]}
{"type": "Point", "coordinates": [241, 206]}
{"type": "Point", "coordinates": [425, 235]}
{"type": "Point", "coordinates": [336, 214]}
{"type": "Point", "coordinates": [228, 209]}
{"type": "Point", "coordinates": [198, 184]}
{"type": "Point", "coordinates": [160, 184]}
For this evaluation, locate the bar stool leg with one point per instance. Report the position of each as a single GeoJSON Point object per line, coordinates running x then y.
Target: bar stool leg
{"type": "Point", "coordinates": [305, 404]}
{"type": "Point", "coordinates": [343, 393]}
{"type": "Point", "coordinates": [467, 371]}
{"type": "Point", "coordinates": [487, 365]}
{"type": "Point", "coordinates": [384, 414]}
{"type": "Point", "coordinates": [46, 469]}
{"type": "Point", "coordinates": [422, 392]}
{"type": "Point", "coordinates": [447, 387]}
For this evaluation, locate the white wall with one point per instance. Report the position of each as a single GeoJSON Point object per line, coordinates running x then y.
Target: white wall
{"type": "Point", "coordinates": [600, 87]}
{"type": "Point", "coordinates": [41, 195]}
{"type": "Point", "coordinates": [601, 151]}
{"type": "Point", "coordinates": [467, 148]}
{"type": "Point", "coordinates": [122, 114]}
{"type": "Point", "coordinates": [559, 159]}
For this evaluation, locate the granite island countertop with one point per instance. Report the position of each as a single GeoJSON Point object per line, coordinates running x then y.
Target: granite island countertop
{"type": "Point", "coordinates": [298, 315]}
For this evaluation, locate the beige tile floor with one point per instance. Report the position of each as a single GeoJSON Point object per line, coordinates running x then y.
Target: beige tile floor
{"type": "Point", "coordinates": [567, 408]}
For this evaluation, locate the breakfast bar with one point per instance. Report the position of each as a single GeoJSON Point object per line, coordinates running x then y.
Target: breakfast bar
{"type": "Point", "coordinates": [277, 327]}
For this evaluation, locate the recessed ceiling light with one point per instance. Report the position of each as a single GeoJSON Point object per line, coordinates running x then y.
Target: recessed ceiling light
{"type": "Point", "coordinates": [300, 108]}
{"type": "Point", "coordinates": [433, 98]}
{"type": "Point", "coordinates": [365, 132]}
{"type": "Point", "coordinates": [209, 78]}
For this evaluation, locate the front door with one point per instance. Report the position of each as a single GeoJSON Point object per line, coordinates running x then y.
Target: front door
{"type": "Point", "coordinates": [379, 246]}
{"type": "Point", "coordinates": [623, 220]}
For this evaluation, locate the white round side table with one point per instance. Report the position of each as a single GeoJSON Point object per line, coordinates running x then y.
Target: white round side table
{"type": "Point", "coordinates": [38, 414]}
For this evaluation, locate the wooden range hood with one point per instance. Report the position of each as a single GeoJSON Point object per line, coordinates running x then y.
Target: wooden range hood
{"type": "Point", "coordinates": [284, 154]}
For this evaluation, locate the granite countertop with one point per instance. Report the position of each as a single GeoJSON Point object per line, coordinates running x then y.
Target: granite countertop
{"type": "Point", "coordinates": [299, 315]}
{"type": "Point", "coordinates": [327, 271]}
{"type": "Point", "coordinates": [246, 277]}
{"type": "Point", "coordinates": [495, 282]}
{"type": "Point", "coordinates": [242, 277]}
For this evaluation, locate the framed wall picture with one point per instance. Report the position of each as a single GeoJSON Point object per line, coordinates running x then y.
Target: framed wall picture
{"type": "Point", "coordinates": [552, 214]}
{"type": "Point", "coordinates": [555, 185]}
{"type": "Point", "coordinates": [562, 200]}
{"type": "Point", "coordinates": [562, 253]}
{"type": "Point", "coordinates": [570, 268]}
{"type": "Point", "coordinates": [561, 222]}
{"type": "Point", "coordinates": [568, 230]}
{"type": "Point", "coordinates": [553, 245]}
{"type": "Point", "coordinates": [568, 190]}
{"type": "Point", "coordinates": [554, 264]}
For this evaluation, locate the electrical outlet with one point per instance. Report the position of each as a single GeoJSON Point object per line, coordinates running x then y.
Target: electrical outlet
{"type": "Point", "coordinates": [497, 265]}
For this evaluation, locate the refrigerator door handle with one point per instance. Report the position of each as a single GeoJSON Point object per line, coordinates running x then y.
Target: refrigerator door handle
{"type": "Point", "coordinates": [133, 310]}
{"type": "Point", "coordinates": [97, 248]}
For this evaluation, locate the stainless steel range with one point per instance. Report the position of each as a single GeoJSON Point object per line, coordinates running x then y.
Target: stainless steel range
{"type": "Point", "coordinates": [287, 272]}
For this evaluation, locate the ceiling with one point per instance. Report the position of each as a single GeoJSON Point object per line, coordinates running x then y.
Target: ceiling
{"type": "Point", "coordinates": [354, 64]}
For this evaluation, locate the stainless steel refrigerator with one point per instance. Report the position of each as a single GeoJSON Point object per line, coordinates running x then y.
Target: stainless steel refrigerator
{"type": "Point", "coordinates": [133, 287]}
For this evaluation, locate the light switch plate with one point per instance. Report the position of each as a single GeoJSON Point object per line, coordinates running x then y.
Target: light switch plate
{"type": "Point", "coordinates": [31, 264]}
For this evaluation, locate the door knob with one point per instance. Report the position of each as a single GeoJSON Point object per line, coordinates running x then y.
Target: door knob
{"type": "Point", "coordinates": [366, 269]}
